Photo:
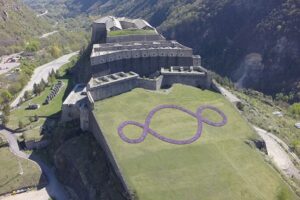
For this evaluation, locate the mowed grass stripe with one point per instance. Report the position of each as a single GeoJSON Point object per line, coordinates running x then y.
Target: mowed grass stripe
{"type": "Point", "coordinates": [220, 165]}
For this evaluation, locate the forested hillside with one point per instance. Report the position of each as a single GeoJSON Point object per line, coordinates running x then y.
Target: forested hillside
{"type": "Point", "coordinates": [254, 42]}
{"type": "Point", "coordinates": [18, 23]}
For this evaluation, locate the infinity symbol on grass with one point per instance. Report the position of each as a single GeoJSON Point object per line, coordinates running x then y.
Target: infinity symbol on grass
{"type": "Point", "coordinates": [147, 130]}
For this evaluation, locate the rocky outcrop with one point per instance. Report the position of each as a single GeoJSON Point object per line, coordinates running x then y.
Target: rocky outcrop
{"type": "Point", "coordinates": [82, 166]}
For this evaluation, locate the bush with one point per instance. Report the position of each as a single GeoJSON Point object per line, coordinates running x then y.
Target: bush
{"type": "Point", "coordinates": [240, 106]}
{"type": "Point", "coordinates": [295, 109]}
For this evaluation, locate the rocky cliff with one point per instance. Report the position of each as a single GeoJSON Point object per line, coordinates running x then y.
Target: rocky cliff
{"type": "Point", "coordinates": [83, 168]}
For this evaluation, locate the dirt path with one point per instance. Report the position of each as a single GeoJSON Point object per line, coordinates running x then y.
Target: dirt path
{"type": "Point", "coordinates": [279, 155]}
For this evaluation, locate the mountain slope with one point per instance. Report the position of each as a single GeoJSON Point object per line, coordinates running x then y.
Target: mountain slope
{"type": "Point", "coordinates": [17, 24]}
{"type": "Point", "coordinates": [256, 43]}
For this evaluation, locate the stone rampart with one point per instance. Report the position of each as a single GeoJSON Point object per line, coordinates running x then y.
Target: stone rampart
{"type": "Point", "coordinates": [150, 84]}
{"type": "Point", "coordinates": [95, 128]}
{"type": "Point", "coordinates": [112, 85]}
{"type": "Point", "coordinates": [144, 66]}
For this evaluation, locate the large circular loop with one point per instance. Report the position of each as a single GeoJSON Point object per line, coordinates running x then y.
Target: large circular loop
{"type": "Point", "coordinates": [147, 130]}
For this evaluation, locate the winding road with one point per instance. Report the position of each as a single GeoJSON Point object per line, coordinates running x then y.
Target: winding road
{"type": "Point", "coordinates": [42, 72]}
{"type": "Point", "coordinates": [54, 187]}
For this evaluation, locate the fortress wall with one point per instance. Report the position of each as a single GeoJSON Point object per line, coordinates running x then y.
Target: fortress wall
{"type": "Point", "coordinates": [150, 84]}
{"type": "Point", "coordinates": [141, 53]}
{"type": "Point", "coordinates": [113, 89]}
{"type": "Point", "coordinates": [70, 112]}
{"type": "Point", "coordinates": [137, 45]}
{"type": "Point", "coordinates": [142, 66]}
{"type": "Point", "coordinates": [196, 80]}
{"type": "Point", "coordinates": [95, 128]}
{"type": "Point", "coordinates": [99, 33]}
{"type": "Point", "coordinates": [130, 38]}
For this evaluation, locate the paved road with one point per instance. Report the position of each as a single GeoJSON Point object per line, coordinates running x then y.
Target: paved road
{"type": "Point", "coordinates": [42, 72]}
{"type": "Point", "coordinates": [54, 188]}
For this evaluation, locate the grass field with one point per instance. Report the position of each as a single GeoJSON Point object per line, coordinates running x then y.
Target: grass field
{"type": "Point", "coordinates": [131, 32]}
{"type": "Point", "coordinates": [220, 165]}
{"type": "Point", "coordinates": [10, 177]}
{"type": "Point", "coordinates": [21, 114]}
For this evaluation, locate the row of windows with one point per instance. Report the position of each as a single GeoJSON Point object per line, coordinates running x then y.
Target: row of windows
{"type": "Point", "coordinates": [119, 57]}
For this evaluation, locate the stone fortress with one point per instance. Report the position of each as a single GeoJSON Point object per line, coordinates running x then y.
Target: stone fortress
{"type": "Point", "coordinates": [128, 54]}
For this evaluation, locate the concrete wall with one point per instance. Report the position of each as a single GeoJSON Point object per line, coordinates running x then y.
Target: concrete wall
{"type": "Point", "coordinates": [70, 112]}
{"type": "Point", "coordinates": [128, 38]}
{"type": "Point", "coordinates": [143, 66]}
{"type": "Point", "coordinates": [113, 89]}
{"type": "Point", "coordinates": [150, 84]}
{"type": "Point", "coordinates": [202, 81]}
{"type": "Point", "coordinates": [99, 33]}
{"type": "Point", "coordinates": [95, 128]}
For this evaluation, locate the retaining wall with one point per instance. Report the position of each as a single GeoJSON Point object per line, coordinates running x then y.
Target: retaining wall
{"type": "Point", "coordinates": [113, 89]}
{"type": "Point", "coordinates": [143, 66]}
{"type": "Point", "coordinates": [95, 128]}
{"type": "Point", "coordinates": [196, 80]}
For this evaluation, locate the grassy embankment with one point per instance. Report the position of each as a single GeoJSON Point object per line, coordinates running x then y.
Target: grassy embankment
{"type": "Point", "coordinates": [45, 112]}
{"type": "Point", "coordinates": [10, 177]}
{"type": "Point", "coordinates": [220, 165]}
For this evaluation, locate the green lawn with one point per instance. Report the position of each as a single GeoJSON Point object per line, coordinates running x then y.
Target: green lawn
{"type": "Point", "coordinates": [220, 165]}
{"type": "Point", "coordinates": [131, 32]}
{"type": "Point", "coordinates": [10, 178]}
{"type": "Point", "coordinates": [21, 114]}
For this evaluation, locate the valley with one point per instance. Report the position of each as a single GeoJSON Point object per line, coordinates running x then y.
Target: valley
{"type": "Point", "coordinates": [93, 104]}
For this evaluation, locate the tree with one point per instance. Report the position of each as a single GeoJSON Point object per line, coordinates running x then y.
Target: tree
{"type": "Point", "coordinates": [55, 51]}
{"type": "Point", "coordinates": [5, 120]}
{"type": "Point", "coordinates": [6, 96]}
{"type": "Point", "coordinates": [6, 110]}
{"type": "Point", "coordinates": [26, 95]}
{"type": "Point", "coordinates": [33, 46]}
{"type": "Point", "coordinates": [21, 125]}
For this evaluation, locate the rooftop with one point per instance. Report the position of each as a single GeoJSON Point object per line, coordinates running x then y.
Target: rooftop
{"type": "Point", "coordinates": [122, 23]}
{"type": "Point", "coordinates": [77, 94]}
{"type": "Point", "coordinates": [183, 69]}
{"type": "Point", "coordinates": [131, 32]}
{"type": "Point", "coordinates": [111, 78]}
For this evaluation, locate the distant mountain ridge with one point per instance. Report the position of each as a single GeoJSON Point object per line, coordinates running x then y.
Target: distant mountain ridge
{"type": "Point", "coordinates": [255, 42]}
{"type": "Point", "coordinates": [18, 23]}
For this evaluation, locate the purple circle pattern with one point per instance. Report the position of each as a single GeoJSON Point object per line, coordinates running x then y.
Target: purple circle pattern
{"type": "Point", "coordinates": [147, 130]}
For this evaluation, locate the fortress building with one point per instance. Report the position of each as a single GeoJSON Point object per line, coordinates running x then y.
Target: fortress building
{"type": "Point", "coordinates": [128, 54]}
